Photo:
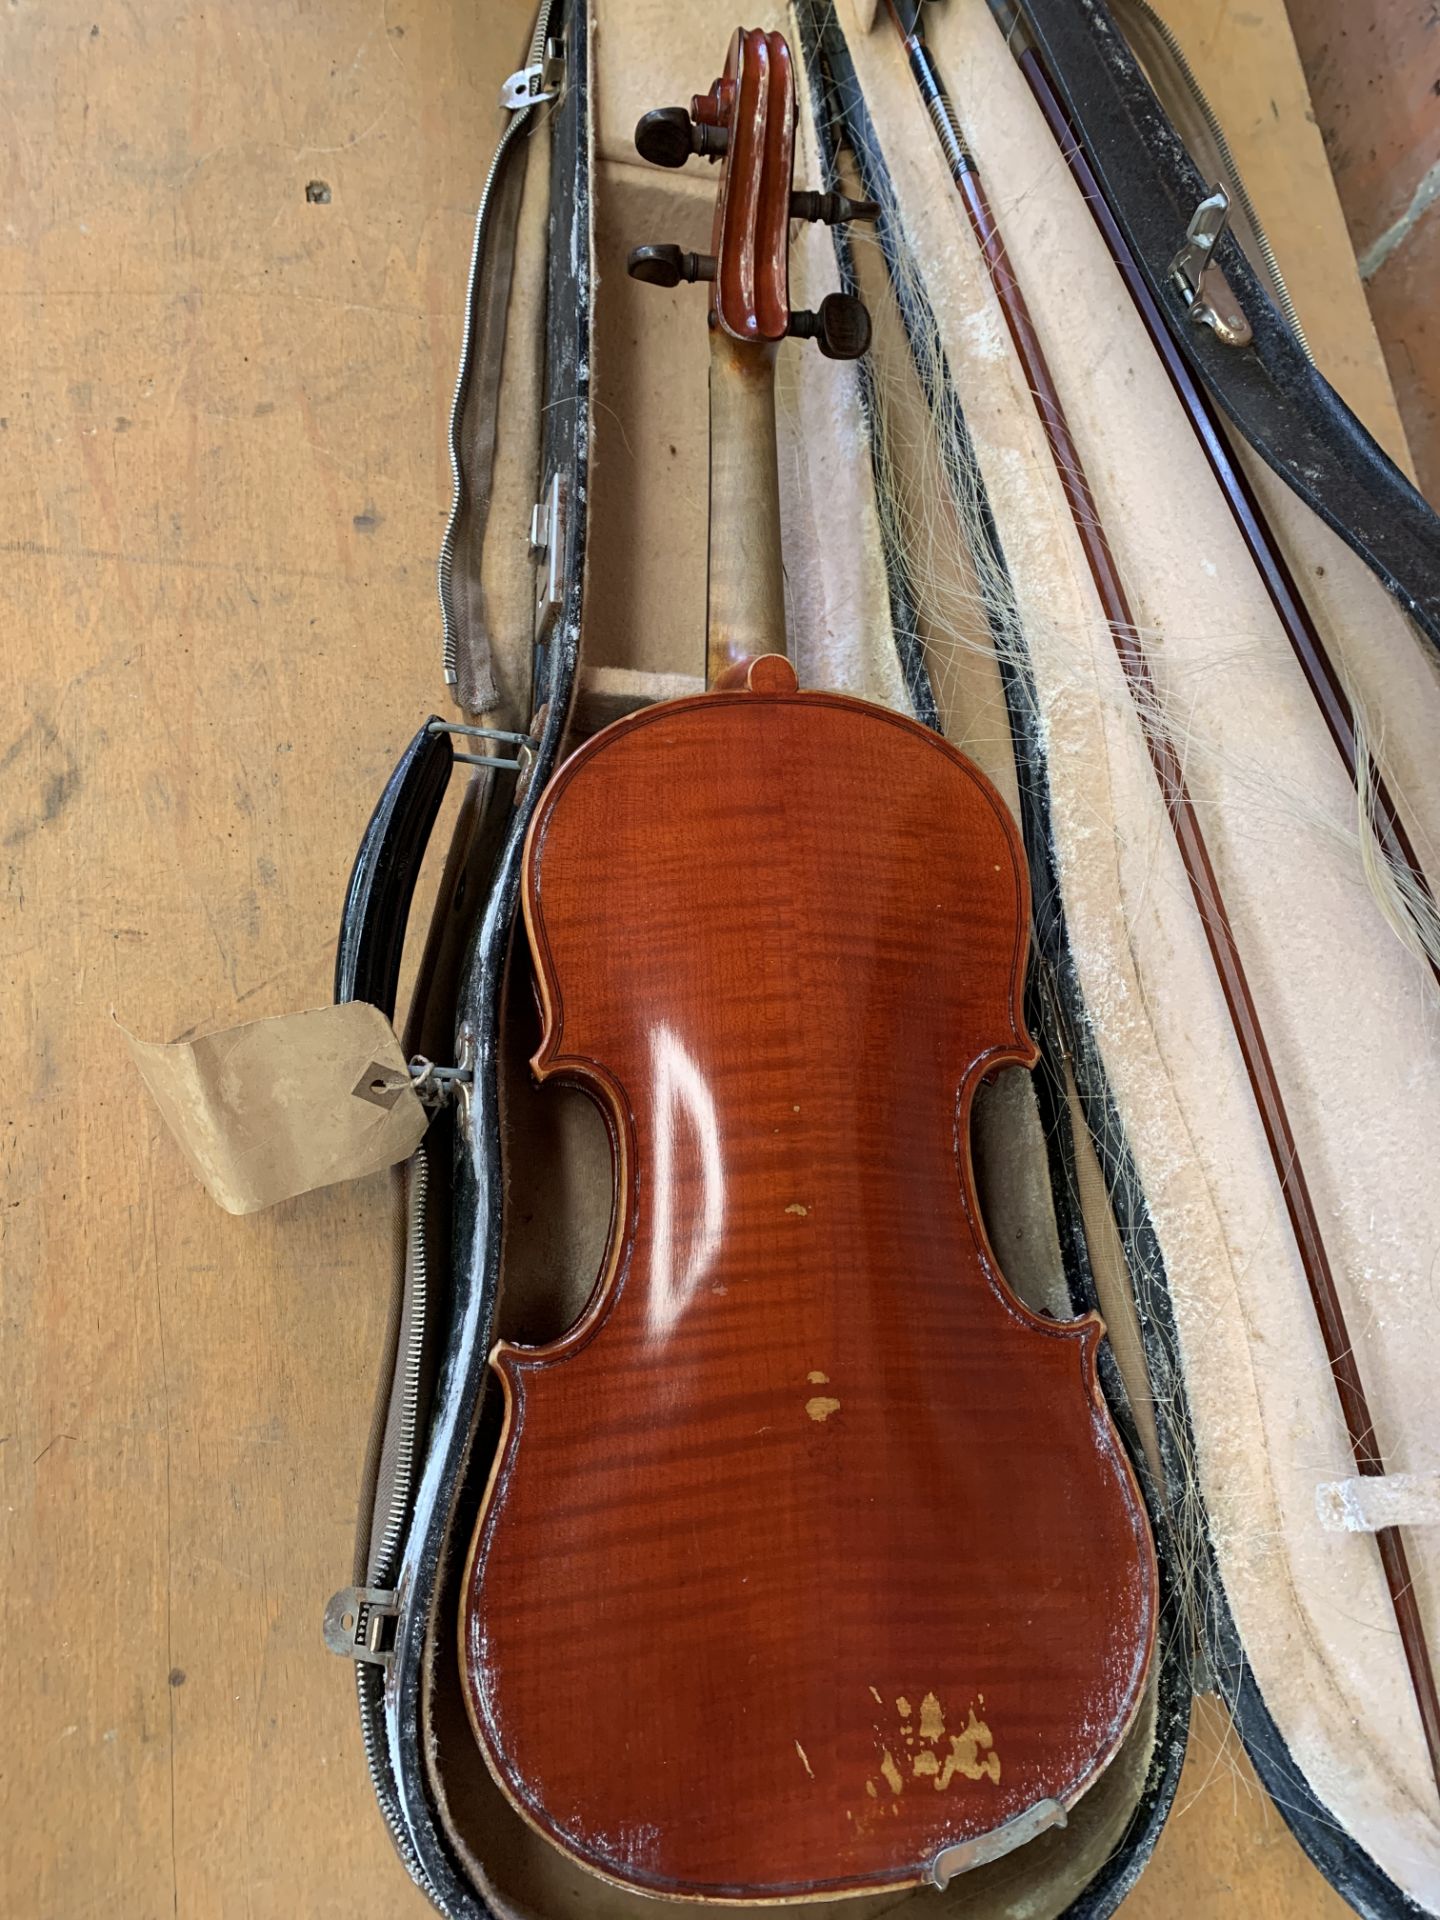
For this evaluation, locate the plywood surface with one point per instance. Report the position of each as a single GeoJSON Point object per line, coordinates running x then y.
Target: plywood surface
{"type": "Point", "coordinates": [231, 265]}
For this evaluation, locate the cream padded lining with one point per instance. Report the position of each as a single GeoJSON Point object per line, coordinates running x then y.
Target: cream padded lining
{"type": "Point", "coordinates": [1350, 1017]}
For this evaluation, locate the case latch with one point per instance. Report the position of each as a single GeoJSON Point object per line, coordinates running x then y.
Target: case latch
{"type": "Point", "coordinates": [360, 1624]}
{"type": "Point", "coordinates": [439, 1087]}
{"type": "Point", "coordinates": [1201, 284]}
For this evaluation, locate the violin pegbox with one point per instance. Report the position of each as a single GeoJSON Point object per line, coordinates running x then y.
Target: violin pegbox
{"type": "Point", "coordinates": [746, 125]}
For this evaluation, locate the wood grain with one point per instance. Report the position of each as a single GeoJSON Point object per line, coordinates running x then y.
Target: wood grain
{"type": "Point", "coordinates": [223, 487]}
{"type": "Point", "coordinates": [807, 1506]}
{"type": "Point", "coordinates": [745, 574]}
{"type": "Point", "coordinates": [223, 480]}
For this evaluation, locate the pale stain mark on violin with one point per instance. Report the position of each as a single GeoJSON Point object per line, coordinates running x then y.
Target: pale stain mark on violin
{"type": "Point", "coordinates": [972, 1751]}
{"type": "Point", "coordinates": [965, 1755]}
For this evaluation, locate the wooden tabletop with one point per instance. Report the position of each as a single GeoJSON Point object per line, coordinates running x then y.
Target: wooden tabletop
{"type": "Point", "coordinates": [233, 258]}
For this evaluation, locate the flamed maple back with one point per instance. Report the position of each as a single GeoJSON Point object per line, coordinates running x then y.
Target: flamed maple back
{"type": "Point", "coordinates": [810, 1562]}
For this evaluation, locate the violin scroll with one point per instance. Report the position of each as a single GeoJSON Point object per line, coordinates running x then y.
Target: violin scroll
{"type": "Point", "coordinates": [747, 122]}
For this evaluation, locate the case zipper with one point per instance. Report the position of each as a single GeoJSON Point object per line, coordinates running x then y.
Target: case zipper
{"type": "Point", "coordinates": [522, 93]}
{"type": "Point", "coordinates": [385, 1554]}
{"type": "Point", "coordinates": [361, 1621]}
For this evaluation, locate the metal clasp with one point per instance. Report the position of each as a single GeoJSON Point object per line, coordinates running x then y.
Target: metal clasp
{"type": "Point", "coordinates": [1201, 284]}
{"type": "Point", "coordinates": [360, 1624]}
{"type": "Point", "coordinates": [547, 546]}
{"type": "Point", "coordinates": [436, 1087]}
{"type": "Point", "coordinates": [525, 743]}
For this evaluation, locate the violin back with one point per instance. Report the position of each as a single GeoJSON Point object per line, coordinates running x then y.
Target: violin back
{"type": "Point", "coordinates": [810, 1563]}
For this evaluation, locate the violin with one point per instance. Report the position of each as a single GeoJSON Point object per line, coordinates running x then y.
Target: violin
{"type": "Point", "coordinates": [810, 1562]}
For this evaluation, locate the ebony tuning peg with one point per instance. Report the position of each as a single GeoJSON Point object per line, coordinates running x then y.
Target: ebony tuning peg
{"type": "Point", "coordinates": [666, 266]}
{"type": "Point", "coordinates": [831, 208]}
{"type": "Point", "coordinates": [841, 327]}
{"type": "Point", "coordinates": [667, 137]}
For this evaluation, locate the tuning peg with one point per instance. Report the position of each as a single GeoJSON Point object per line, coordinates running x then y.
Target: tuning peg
{"type": "Point", "coordinates": [831, 208]}
{"type": "Point", "coordinates": [841, 327]}
{"type": "Point", "coordinates": [667, 137]}
{"type": "Point", "coordinates": [666, 266]}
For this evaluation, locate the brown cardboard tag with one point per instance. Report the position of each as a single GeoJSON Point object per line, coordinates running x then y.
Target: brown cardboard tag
{"type": "Point", "coordinates": [274, 1108]}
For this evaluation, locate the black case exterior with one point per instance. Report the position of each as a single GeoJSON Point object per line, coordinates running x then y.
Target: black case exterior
{"type": "Point", "coordinates": [436, 1533]}
{"type": "Point", "coordinates": [1286, 409]}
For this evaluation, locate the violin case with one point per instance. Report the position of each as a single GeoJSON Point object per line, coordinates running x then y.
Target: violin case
{"type": "Point", "coordinates": [932, 566]}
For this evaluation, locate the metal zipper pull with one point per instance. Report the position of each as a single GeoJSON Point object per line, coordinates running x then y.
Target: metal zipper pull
{"type": "Point", "coordinates": [360, 1623]}
{"type": "Point", "coordinates": [539, 81]}
{"type": "Point", "coordinates": [439, 1087]}
{"type": "Point", "coordinates": [1162, 45]}
{"type": "Point", "coordinates": [525, 743]}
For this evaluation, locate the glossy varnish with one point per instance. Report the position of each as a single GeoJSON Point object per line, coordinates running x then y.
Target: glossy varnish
{"type": "Point", "coordinates": [809, 1552]}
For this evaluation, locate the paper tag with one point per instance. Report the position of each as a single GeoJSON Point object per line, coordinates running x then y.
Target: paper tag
{"type": "Point", "coordinates": [278, 1107]}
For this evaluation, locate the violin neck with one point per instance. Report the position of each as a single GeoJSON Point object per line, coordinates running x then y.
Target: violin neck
{"type": "Point", "coordinates": [745, 613]}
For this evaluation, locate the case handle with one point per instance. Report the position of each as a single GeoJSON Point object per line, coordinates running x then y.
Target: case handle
{"type": "Point", "coordinates": [382, 881]}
